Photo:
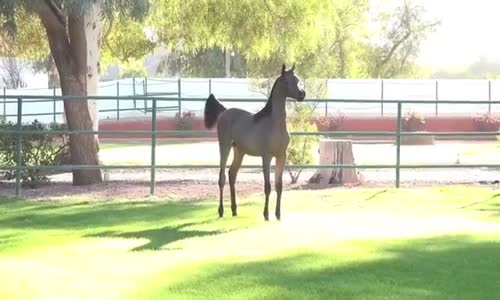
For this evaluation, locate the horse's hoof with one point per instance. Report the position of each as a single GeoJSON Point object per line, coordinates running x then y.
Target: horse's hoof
{"type": "Point", "coordinates": [221, 213]}
{"type": "Point", "coordinates": [278, 216]}
{"type": "Point", "coordinates": [235, 214]}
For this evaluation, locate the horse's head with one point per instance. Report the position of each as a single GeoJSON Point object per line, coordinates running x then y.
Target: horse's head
{"type": "Point", "coordinates": [290, 84]}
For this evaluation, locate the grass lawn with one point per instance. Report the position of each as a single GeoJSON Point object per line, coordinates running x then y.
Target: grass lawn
{"type": "Point", "coordinates": [428, 243]}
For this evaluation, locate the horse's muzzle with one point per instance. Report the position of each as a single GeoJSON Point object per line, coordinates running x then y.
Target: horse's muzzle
{"type": "Point", "coordinates": [302, 95]}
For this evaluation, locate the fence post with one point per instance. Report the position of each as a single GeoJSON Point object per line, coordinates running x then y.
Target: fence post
{"type": "Point", "coordinates": [180, 95]}
{"type": "Point", "coordinates": [19, 127]}
{"type": "Point", "coordinates": [153, 148]}
{"type": "Point", "coordinates": [437, 96]}
{"type": "Point", "coordinates": [382, 97]}
{"type": "Point", "coordinates": [209, 86]}
{"type": "Point", "coordinates": [489, 96]}
{"type": "Point", "coordinates": [54, 93]}
{"type": "Point", "coordinates": [4, 104]}
{"type": "Point", "coordinates": [326, 102]}
{"type": "Point", "coordinates": [145, 93]}
{"type": "Point", "coordinates": [133, 91]}
{"type": "Point", "coordinates": [118, 99]}
{"type": "Point", "coordinates": [398, 144]}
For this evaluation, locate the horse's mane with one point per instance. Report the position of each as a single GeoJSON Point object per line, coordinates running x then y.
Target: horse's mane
{"type": "Point", "coordinates": [267, 109]}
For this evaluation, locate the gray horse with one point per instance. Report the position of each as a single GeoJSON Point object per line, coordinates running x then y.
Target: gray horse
{"type": "Point", "coordinates": [263, 134]}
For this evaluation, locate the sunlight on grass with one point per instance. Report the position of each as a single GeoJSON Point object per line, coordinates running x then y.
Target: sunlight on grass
{"type": "Point", "coordinates": [381, 243]}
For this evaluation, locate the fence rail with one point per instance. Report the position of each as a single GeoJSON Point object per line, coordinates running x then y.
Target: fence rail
{"type": "Point", "coordinates": [154, 132]}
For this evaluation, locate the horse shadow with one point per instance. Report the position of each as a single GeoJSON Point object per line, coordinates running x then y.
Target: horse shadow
{"type": "Point", "coordinates": [159, 238]}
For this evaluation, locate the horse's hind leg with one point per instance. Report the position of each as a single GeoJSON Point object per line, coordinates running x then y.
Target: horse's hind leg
{"type": "Point", "coordinates": [224, 149]}
{"type": "Point", "coordinates": [233, 172]}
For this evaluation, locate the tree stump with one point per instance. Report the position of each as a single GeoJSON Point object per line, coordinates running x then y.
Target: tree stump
{"type": "Point", "coordinates": [335, 152]}
{"type": "Point", "coordinates": [417, 139]}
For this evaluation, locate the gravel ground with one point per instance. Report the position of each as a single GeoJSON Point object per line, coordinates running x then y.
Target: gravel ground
{"type": "Point", "coordinates": [202, 184]}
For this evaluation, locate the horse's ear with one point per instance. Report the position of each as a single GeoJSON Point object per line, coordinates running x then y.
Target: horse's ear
{"type": "Point", "coordinates": [283, 69]}
{"type": "Point", "coordinates": [293, 67]}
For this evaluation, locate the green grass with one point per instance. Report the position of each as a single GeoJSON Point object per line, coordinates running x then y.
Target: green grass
{"type": "Point", "coordinates": [429, 243]}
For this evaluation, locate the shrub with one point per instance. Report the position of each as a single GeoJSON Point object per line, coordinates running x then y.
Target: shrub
{"type": "Point", "coordinates": [412, 122]}
{"type": "Point", "coordinates": [331, 123]}
{"type": "Point", "coordinates": [186, 122]}
{"type": "Point", "coordinates": [299, 150]}
{"type": "Point", "coordinates": [38, 149]}
{"type": "Point", "coordinates": [487, 122]}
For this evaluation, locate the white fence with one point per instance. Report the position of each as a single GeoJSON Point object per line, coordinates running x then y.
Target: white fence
{"type": "Point", "coordinates": [370, 89]}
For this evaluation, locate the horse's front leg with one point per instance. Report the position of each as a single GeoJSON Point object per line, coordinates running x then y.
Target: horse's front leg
{"type": "Point", "coordinates": [280, 165]}
{"type": "Point", "coordinates": [266, 166]}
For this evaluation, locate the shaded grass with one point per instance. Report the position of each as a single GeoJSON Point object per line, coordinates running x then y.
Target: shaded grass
{"type": "Point", "coordinates": [436, 268]}
{"type": "Point", "coordinates": [429, 243]}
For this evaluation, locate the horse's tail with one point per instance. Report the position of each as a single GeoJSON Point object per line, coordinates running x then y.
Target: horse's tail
{"type": "Point", "coordinates": [213, 109]}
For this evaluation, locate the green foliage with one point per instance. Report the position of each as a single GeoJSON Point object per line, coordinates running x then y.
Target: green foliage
{"type": "Point", "coordinates": [38, 149]}
{"type": "Point", "coordinates": [125, 41]}
{"type": "Point", "coordinates": [133, 68]}
{"type": "Point", "coordinates": [299, 151]}
{"type": "Point", "coordinates": [397, 40]}
{"type": "Point", "coordinates": [202, 63]}
{"type": "Point", "coordinates": [326, 39]}
{"type": "Point", "coordinates": [23, 35]}
{"type": "Point", "coordinates": [254, 29]}
{"type": "Point", "coordinates": [29, 41]}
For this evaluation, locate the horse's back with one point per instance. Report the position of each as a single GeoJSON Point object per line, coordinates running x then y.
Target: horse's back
{"type": "Point", "coordinates": [232, 117]}
{"type": "Point", "coordinates": [238, 127]}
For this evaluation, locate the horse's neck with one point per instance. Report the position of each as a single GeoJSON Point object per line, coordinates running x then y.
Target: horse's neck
{"type": "Point", "coordinates": [278, 113]}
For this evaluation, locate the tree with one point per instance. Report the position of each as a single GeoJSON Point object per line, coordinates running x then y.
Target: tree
{"type": "Point", "coordinates": [257, 31]}
{"type": "Point", "coordinates": [400, 34]}
{"type": "Point", "coordinates": [74, 30]}
{"type": "Point", "coordinates": [125, 40]}
{"type": "Point", "coordinates": [203, 63]}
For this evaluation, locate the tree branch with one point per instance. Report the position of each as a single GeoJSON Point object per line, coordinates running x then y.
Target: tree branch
{"type": "Point", "coordinates": [56, 11]}
{"type": "Point", "coordinates": [56, 32]}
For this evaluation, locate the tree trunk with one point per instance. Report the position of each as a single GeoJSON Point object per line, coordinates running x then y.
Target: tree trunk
{"type": "Point", "coordinates": [74, 44]}
{"type": "Point", "coordinates": [335, 152]}
{"type": "Point", "coordinates": [93, 30]}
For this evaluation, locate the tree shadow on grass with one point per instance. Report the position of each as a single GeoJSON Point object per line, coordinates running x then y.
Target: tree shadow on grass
{"type": "Point", "coordinates": [158, 238]}
{"type": "Point", "coordinates": [93, 216]}
{"type": "Point", "coordinates": [435, 268]}
{"type": "Point", "coordinates": [490, 206]}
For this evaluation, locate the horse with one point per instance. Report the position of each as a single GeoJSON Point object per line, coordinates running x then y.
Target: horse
{"type": "Point", "coordinates": [263, 134]}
